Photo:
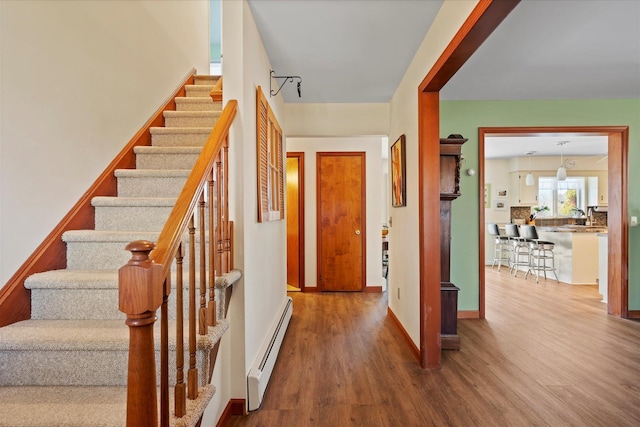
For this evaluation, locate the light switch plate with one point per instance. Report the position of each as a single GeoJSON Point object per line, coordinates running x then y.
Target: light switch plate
{"type": "Point", "coordinates": [634, 221]}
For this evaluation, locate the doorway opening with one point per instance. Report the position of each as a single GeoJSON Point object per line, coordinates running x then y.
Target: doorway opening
{"type": "Point", "coordinates": [295, 221]}
{"type": "Point", "coordinates": [617, 225]}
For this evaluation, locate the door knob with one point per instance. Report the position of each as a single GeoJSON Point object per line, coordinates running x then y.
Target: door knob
{"type": "Point", "coordinates": [357, 232]}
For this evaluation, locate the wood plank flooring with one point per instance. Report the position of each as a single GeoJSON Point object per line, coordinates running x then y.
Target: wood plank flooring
{"type": "Point", "coordinates": [546, 355]}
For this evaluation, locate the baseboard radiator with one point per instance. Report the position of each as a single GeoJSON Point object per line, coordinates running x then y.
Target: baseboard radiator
{"type": "Point", "coordinates": [259, 375]}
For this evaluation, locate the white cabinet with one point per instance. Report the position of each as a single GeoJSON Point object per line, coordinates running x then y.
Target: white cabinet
{"type": "Point", "coordinates": [521, 193]}
{"type": "Point", "coordinates": [603, 190]}
{"type": "Point", "coordinates": [598, 190]}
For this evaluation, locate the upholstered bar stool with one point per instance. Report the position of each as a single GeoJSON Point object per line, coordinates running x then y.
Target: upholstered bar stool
{"type": "Point", "coordinates": [541, 253]}
{"type": "Point", "coordinates": [520, 252]}
{"type": "Point", "coordinates": [503, 248]}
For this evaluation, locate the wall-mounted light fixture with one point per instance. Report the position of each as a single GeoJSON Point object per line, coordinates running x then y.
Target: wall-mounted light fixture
{"type": "Point", "coordinates": [286, 79]}
{"type": "Point", "coordinates": [529, 180]}
{"type": "Point", "coordinates": [561, 175]}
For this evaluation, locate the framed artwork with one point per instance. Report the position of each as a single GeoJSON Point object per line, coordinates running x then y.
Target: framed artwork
{"type": "Point", "coordinates": [399, 173]}
{"type": "Point", "coordinates": [502, 194]}
{"type": "Point", "coordinates": [487, 196]}
{"type": "Point", "coordinates": [500, 205]}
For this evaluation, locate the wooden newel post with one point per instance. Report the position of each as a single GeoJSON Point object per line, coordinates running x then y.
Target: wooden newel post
{"type": "Point", "coordinates": [140, 295]}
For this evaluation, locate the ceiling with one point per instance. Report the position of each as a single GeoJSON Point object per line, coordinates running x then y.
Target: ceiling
{"type": "Point", "coordinates": [345, 51]}
{"type": "Point", "coordinates": [357, 51]}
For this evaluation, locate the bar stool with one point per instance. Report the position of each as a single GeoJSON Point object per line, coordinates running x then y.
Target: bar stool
{"type": "Point", "coordinates": [502, 252]}
{"type": "Point", "coordinates": [541, 252]}
{"type": "Point", "coordinates": [520, 252]}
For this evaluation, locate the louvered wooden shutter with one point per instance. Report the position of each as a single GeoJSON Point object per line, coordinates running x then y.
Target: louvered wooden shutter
{"type": "Point", "coordinates": [270, 162]}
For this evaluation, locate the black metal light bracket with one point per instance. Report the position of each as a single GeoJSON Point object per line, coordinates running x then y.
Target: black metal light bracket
{"type": "Point", "coordinates": [286, 79]}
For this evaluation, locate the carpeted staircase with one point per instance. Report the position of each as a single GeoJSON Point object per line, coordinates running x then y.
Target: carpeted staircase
{"type": "Point", "coordinates": [67, 365]}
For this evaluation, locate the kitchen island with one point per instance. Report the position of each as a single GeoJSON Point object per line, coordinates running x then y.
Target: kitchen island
{"type": "Point", "coordinates": [576, 252]}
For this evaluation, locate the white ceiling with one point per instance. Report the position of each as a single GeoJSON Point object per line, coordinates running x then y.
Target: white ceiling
{"type": "Point", "coordinates": [505, 147]}
{"type": "Point", "coordinates": [358, 51]}
{"type": "Point", "coordinates": [345, 51]}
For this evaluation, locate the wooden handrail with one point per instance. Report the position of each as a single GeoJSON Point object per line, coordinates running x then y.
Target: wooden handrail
{"type": "Point", "coordinates": [216, 92]}
{"type": "Point", "coordinates": [178, 221]}
{"type": "Point", "coordinates": [144, 283]}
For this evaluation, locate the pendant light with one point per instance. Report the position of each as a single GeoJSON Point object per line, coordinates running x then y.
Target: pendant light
{"type": "Point", "coordinates": [529, 180]}
{"type": "Point", "coordinates": [561, 175]}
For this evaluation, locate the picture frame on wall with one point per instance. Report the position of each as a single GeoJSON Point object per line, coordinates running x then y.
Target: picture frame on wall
{"type": "Point", "coordinates": [500, 205]}
{"type": "Point", "coordinates": [399, 173]}
{"type": "Point", "coordinates": [502, 193]}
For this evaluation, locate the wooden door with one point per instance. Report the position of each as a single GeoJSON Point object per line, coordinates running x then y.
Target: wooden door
{"type": "Point", "coordinates": [341, 221]}
{"type": "Point", "coordinates": [295, 219]}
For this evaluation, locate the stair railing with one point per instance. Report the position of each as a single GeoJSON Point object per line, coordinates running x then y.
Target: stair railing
{"type": "Point", "coordinates": [202, 210]}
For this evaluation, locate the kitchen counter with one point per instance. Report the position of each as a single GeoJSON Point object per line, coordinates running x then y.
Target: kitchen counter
{"type": "Point", "coordinates": [574, 229]}
{"type": "Point", "coordinates": [576, 252]}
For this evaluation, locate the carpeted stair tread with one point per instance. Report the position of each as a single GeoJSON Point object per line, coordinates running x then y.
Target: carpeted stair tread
{"type": "Point", "coordinates": [152, 173]}
{"type": "Point", "coordinates": [46, 406]}
{"type": "Point", "coordinates": [73, 279]}
{"type": "Point", "coordinates": [108, 236]}
{"type": "Point", "coordinates": [82, 406]}
{"type": "Point", "coordinates": [144, 149]}
{"type": "Point", "coordinates": [103, 279]}
{"type": "Point", "coordinates": [179, 130]}
{"type": "Point", "coordinates": [88, 335]}
{"type": "Point", "coordinates": [102, 201]}
{"type": "Point", "coordinates": [173, 113]}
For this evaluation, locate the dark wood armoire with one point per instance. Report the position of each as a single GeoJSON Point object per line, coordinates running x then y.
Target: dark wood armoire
{"type": "Point", "coordinates": [450, 157]}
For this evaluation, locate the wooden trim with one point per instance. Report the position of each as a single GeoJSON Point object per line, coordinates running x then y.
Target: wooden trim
{"type": "Point", "coordinates": [235, 407]}
{"type": "Point", "coordinates": [373, 289]}
{"type": "Point", "coordinates": [618, 227]}
{"type": "Point", "coordinates": [469, 314]}
{"type": "Point", "coordinates": [51, 254]}
{"type": "Point", "coordinates": [301, 212]}
{"type": "Point", "coordinates": [483, 20]}
{"type": "Point", "coordinates": [412, 347]}
{"type": "Point", "coordinates": [363, 211]}
{"type": "Point", "coordinates": [633, 314]}
{"type": "Point", "coordinates": [429, 228]}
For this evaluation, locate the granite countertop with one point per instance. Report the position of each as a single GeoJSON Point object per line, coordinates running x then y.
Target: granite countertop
{"type": "Point", "coordinates": [575, 229]}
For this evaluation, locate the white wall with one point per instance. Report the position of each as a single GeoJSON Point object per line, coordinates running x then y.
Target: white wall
{"type": "Point", "coordinates": [260, 249]}
{"type": "Point", "coordinates": [336, 119]}
{"type": "Point", "coordinates": [374, 203]}
{"type": "Point", "coordinates": [404, 266]}
{"type": "Point", "coordinates": [78, 80]}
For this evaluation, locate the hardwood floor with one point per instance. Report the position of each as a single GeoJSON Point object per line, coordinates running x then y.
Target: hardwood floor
{"type": "Point", "coordinates": [546, 355]}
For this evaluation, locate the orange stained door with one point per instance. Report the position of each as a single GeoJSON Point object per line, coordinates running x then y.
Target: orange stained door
{"type": "Point", "coordinates": [294, 220]}
{"type": "Point", "coordinates": [341, 221]}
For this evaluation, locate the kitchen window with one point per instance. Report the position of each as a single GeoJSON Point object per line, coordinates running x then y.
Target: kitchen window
{"type": "Point", "coordinates": [562, 197]}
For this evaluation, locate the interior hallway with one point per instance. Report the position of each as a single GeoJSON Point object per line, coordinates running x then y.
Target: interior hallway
{"type": "Point", "coordinates": [546, 355]}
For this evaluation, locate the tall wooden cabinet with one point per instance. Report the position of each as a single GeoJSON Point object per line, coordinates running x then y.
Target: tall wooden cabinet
{"type": "Point", "coordinates": [450, 156]}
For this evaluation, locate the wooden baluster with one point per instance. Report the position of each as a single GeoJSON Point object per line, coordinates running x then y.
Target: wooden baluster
{"type": "Point", "coordinates": [180, 403]}
{"type": "Point", "coordinates": [211, 309]}
{"type": "Point", "coordinates": [140, 294]}
{"type": "Point", "coordinates": [164, 355]}
{"type": "Point", "coordinates": [225, 174]}
{"type": "Point", "coordinates": [220, 201]}
{"type": "Point", "coordinates": [192, 376]}
{"type": "Point", "coordinates": [202, 313]}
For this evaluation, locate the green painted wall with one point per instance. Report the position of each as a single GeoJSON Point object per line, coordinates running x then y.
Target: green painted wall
{"type": "Point", "coordinates": [465, 117]}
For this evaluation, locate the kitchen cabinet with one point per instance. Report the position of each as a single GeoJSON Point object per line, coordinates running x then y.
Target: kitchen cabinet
{"type": "Point", "coordinates": [521, 193]}
{"type": "Point", "coordinates": [603, 190]}
{"type": "Point", "coordinates": [598, 190]}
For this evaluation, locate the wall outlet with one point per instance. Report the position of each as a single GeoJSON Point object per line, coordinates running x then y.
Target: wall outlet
{"type": "Point", "coordinates": [634, 221]}
{"type": "Point", "coordinates": [398, 292]}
